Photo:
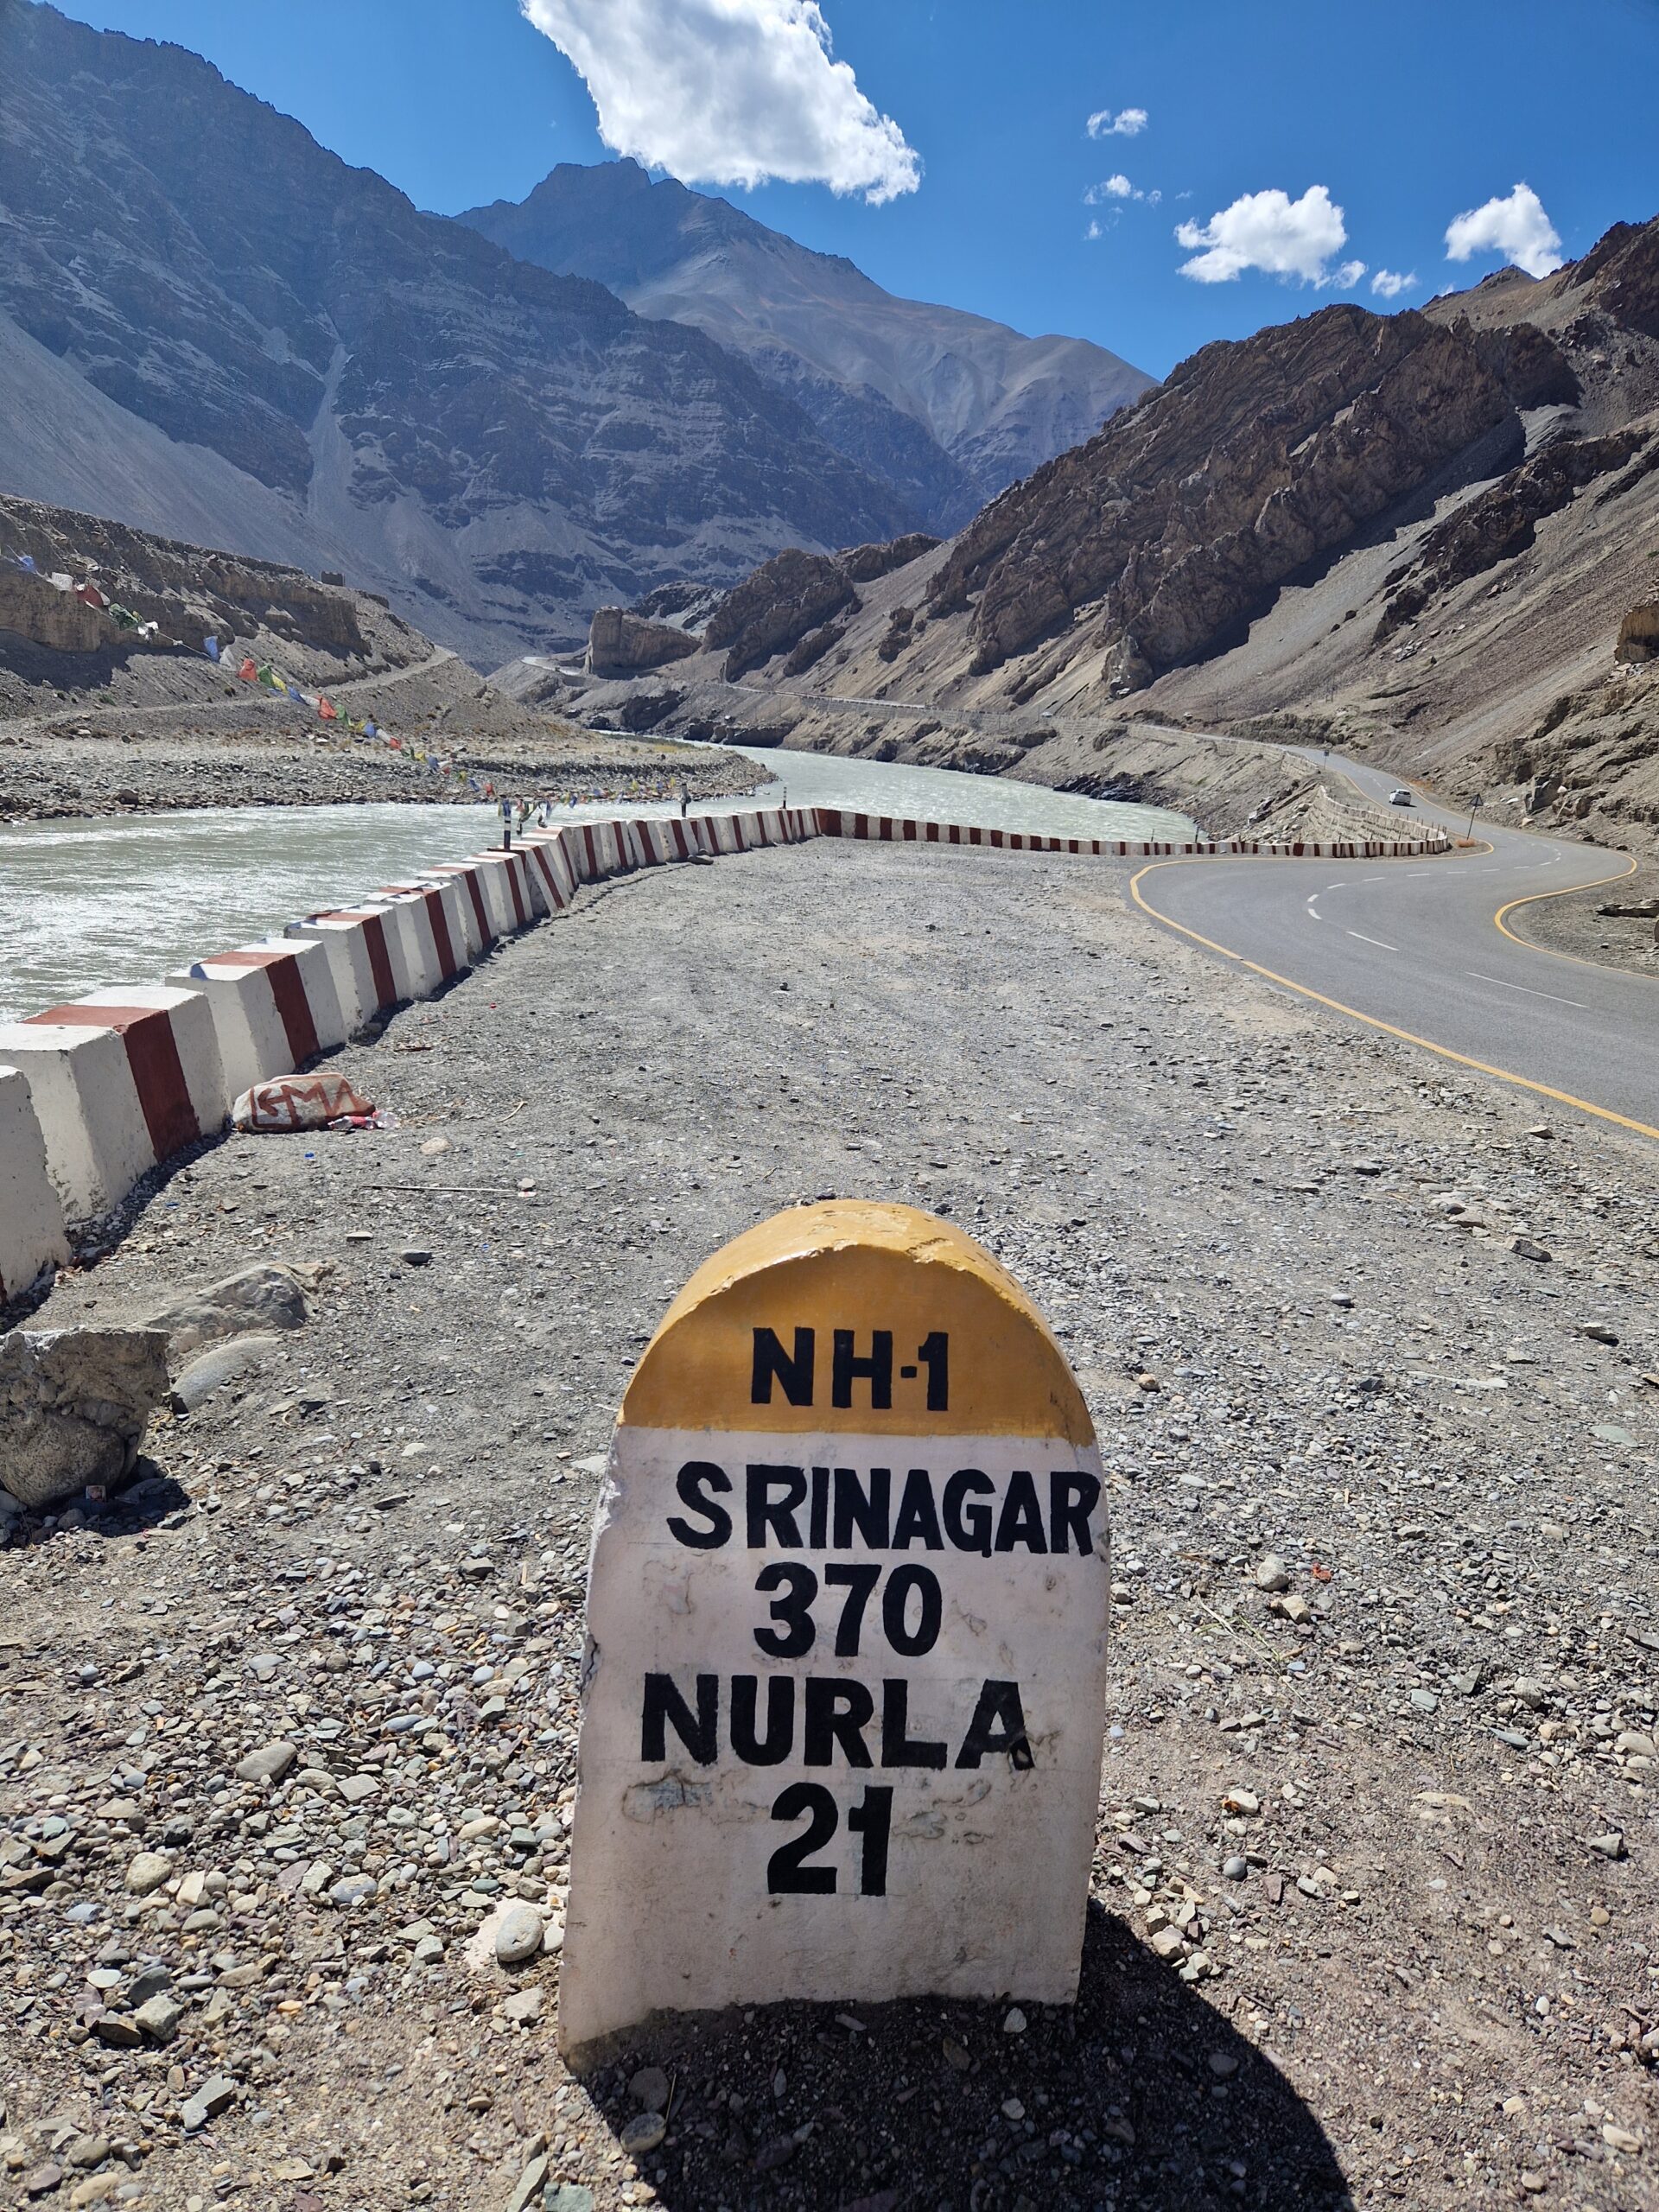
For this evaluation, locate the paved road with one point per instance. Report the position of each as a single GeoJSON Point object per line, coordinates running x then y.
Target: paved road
{"type": "Point", "coordinates": [1413, 946]}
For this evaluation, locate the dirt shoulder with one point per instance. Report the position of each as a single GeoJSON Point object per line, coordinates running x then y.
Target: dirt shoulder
{"type": "Point", "coordinates": [1581, 925]}
{"type": "Point", "coordinates": [1400, 1811]}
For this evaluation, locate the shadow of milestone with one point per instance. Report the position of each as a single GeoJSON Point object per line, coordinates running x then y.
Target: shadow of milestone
{"type": "Point", "coordinates": [148, 1497]}
{"type": "Point", "coordinates": [1138, 2098]}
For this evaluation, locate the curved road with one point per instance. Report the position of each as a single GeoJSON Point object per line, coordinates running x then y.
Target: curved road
{"type": "Point", "coordinates": [1423, 950]}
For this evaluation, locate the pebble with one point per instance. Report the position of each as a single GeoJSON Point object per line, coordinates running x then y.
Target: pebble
{"type": "Point", "coordinates": [159, 2018]}
{"type": "Point", "coordinates": [1272, 1573]}
{"type": "Point", "coordinates": [1528, 1248]}
{"type": "Point", "coordinates": [1236, 1868]}
{"type": "Point", "coordinates": [1610, 1846]}
{"type": "Point", "coordinates": [517, 1934]}
{"type": "Point", "coordinates": [644, 2132]}
{"type": "Point", "coordinates": [269, 1765]}
{"type": "Point", "coordinates": [649, 2089]}
{"type": "Point", "coordinates": [147, 1871]}
{"type": "Point", "coordinates": [1014, 2024]}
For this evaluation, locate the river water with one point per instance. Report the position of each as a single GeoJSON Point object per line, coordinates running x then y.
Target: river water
{"type": "Point", "coordinates": [85, 905]}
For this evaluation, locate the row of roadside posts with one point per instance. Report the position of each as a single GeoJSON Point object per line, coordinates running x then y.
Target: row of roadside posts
{"type": "Point", "coordinates": [845, 1678]}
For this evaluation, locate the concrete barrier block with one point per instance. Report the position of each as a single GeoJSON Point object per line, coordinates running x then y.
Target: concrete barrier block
{"type": "Point", "coordinates": [545, 855]}
{"type": "Point", "coordinates": [407, 914]}
{"type": "Point", "coordinates": [32, 1237]}
{"type": "Point", "coordinates": [445, 913]}
{"type": "Point", "coordinates": [121, 1081]}
{"type": "Point", "coordinates": [476, 917]}
{"type": "Point", "coordinates": [359, 960]}
{"type": "Point", "coordinates": [413, 964]}
{"type": "Point", "coordinates": [506, 890]}
{"type": "Point", "coordinates": [274, 1008]}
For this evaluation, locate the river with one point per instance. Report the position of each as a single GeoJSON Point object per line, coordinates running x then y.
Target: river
{"type": "Point", "coordinates": [87, 904]}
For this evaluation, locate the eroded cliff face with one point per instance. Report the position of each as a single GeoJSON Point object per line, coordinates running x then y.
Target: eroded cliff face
{"type": "Point", "coordinates": [1168, 530]}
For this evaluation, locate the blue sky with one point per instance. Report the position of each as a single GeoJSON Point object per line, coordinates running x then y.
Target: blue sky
{"type": "Point", "coordinates": [959, 129]}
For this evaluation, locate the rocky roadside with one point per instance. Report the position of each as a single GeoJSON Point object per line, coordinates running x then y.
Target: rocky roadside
{"type": "Point", "coordinates": [287, 1731]}
{"type": "Point", "coordinates": [1584, 928]}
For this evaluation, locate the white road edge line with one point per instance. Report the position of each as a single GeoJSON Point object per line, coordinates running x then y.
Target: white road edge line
{"type": "Point", "coordinates": [1376, 941]}
{"type": "Point", "coordinates": [1502, 986]}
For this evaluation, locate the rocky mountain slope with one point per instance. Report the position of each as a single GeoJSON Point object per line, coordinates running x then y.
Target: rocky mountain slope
{"type": "Point", "coordinates": [209, 326]}
{"type": "Point", "coordinates": [1433, 536]}
{"type": "Point", "coordinates": [951, 408]}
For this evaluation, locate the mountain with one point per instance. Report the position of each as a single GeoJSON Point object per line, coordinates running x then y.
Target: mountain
{"type": "Point", "coordinates": [213, 328]}
{"type": "Point", "coordinates": [1429, 536]}
{"type": "Point", "coordinates": [949, 407]}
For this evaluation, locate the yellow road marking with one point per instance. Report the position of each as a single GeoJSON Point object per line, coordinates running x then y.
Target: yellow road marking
{"type": "Point", "coordinates": [1534, 897]}
{"type": "Point", "coordinates": [1373, 1022]}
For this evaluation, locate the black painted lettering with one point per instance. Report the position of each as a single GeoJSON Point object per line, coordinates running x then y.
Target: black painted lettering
{"type": "Point", "coordinates": [775, 1513]}
{"type": "Point", "coordinates": [934, 1352]}
{"type": "Point", "coordinates": [898, 1747]}
{"type": "Point", "coordinates": [1019, 1524]}
{"type": "Point", "coordinates": [818, 1525]}
{"type": "Point", "coordinates": [696, 1477]}
{"type": "Point", "coordinates": [913, 1642]}
{"type": "Point", "coordinates": [998, 1725]}
{"type": "Point", "coordinates": [772, 1362]}
{"type": "Point", "coordinates": [857, 1582]}
{"type": "Point", "coordinates": [872, 1819]}
{"type": "Point", "coordinates": [967, 1525]}
{"type": "Point", "coordinates": [775, 1746]}
{"type": "Point", "coordinates": [867, 1510]}
{"type": "Point", "coordinates": [787, 1873]}
{"type": "Point", "coordinates": [837, 1713]}
{"type": "Point", "coordinates": [665, 1708]}
{"type": "Point", "coordinates": [918, 1519]}
{"type": "Point", "coordinates": [793, 1636]}
{"type": "Point", "coordinates": [876, 1371]}
{"type": "Point", "coordinates": [1072, 1499]}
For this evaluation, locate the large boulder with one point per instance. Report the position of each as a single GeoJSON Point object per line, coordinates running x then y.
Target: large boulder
{"type": "Point", "coordinates": [622, 644]}
{"type": "Point", "coordinates": [774, 608]}
{"type": "Point", "coordinates": [1638, 634]}
{"type": "Point", "coordinates": [74, 1406]}
{"type": "Point", "coordinates": [257, 1299]}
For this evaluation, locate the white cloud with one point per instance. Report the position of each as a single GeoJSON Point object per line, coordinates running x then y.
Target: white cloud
{"type": "Point", "coordinates": [729, 91]}
{"type": "Point", "coordinates": [1516, 227]}
{"type": "Point", "coordinates": [1271, 231]}
{"type": "Point", "coordinates": [1127, 122]}
{"type": "Point", "coordinates": [1389, 283]}
{"type": "Point", "coordinates": [1117, 188]}
{"type": "Point", "coordinates": [1094, 230]}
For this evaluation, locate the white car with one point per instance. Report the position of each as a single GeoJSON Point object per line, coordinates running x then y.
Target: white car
{"type": "Point", "coordinates": [1400, 799]}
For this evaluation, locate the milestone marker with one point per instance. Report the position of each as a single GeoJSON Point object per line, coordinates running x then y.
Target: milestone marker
{"type": "Point", "coordinates": [845, 1684]}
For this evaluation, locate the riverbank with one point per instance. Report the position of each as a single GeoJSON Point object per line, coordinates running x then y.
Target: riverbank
{"type": "Point", "coordinates": [1278, 1254]}
{"type": "Point", "coordinates": [1230, 786]}
{"type": "Point", "coordinates": [266, 752]}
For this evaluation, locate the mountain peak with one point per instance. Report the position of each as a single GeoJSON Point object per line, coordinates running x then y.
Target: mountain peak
{"type": "Point", "coordinates": [953, 406]}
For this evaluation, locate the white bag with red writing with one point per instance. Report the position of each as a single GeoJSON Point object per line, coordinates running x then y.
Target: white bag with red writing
{"type": "Point", "coordinates": [289, 1103]}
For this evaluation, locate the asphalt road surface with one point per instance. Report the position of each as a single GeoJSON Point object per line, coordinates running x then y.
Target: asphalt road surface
{"type": "Point", "coordinates": [1417, 947]}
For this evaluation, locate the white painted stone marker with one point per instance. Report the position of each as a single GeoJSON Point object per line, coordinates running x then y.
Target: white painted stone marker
{"type": "Point", "coordinates": [846, 1678]}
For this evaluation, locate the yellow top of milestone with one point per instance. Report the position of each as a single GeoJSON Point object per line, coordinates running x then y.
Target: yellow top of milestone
{"type": "Point", "coordinates": [848, 1266]}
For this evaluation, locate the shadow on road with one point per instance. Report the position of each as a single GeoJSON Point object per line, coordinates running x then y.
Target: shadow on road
{"type": "Point", "coordinates": [1142, 2098]}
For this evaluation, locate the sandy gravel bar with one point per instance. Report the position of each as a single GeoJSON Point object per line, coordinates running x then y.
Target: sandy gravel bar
{"type": "Point", "coordinates": [1374, 1911]}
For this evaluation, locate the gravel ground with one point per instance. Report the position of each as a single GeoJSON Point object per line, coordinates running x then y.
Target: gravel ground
{"type": "Point", "coordinates": [1374, 1906]}
{"type": "Point", "coordinates": [267, 753]}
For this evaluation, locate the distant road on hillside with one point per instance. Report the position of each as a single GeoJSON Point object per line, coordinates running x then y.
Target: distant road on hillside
{"type": "Point", "coordinates": [1414, 947]}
